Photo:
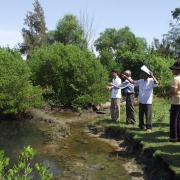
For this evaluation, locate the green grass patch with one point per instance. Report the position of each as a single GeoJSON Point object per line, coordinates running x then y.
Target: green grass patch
{"type": "Point", "coordinates": [157, 139]}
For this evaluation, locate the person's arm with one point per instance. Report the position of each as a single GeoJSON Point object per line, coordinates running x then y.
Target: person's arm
{"type": "Point", "coordinates": [154, 79]}
{"type": "Point", "coordinates": [128, 78]}
{"type": "Point", "coordinates": [172, 91]}
{"type": "Point", "coordinates": [120, 86]}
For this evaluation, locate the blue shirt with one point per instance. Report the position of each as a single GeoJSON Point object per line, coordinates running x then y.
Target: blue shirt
{"type": "Point", "coordinates": [126, 85]}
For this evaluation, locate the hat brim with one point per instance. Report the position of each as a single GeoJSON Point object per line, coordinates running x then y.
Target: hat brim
{"type": "Point", "coordinates": [145, 72]}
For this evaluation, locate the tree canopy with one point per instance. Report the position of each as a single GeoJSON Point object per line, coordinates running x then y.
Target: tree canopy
{"type": "Point", "coordinates": [35, 35]}
{"type": "Point", "coordinates": [70, 31]}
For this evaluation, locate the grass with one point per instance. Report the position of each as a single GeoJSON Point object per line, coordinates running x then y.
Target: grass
{"type": "Point", "coordinates": [157, 139]}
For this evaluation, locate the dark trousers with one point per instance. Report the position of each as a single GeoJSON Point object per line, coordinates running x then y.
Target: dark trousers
{"type": "Point", "coordinates": [145, 109]}
{"type": "Point", "coordinates": [130, 116]}
{"type": "Point", "coordinates": [175, 122]}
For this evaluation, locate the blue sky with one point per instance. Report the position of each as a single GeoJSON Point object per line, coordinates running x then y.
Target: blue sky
{"type": "Point", "coordinates": [145, 18]}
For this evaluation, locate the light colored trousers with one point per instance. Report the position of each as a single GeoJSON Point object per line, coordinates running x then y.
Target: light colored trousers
{"type": "Point", "coordinates": [115, 109]}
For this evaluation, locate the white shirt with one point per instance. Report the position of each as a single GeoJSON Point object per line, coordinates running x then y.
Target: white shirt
{"type": "Point", "coordinates": [116, 93]}
{"type": "Point", "coordinates": [145, 90]}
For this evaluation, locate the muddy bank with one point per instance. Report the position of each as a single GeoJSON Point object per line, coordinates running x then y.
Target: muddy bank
{"type": "Point", "coordinates": [60, 127]}
{"type": "Point", "coordinates": [152, 167]}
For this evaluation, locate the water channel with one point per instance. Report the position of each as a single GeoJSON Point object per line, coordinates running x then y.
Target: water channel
{"type": "Point", "coordinates": [79, 156]}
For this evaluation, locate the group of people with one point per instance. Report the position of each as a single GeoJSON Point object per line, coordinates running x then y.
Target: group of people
{"type": "Point", "coordinates": [145, 99]}
{"type": "Point", "coordinates": [146, 85]}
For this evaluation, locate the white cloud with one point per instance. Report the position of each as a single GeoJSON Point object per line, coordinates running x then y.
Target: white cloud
{"type": "Point", "coordinates": [10, 38]}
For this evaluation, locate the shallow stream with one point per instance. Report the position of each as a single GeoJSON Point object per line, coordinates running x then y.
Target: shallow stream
{"type": "Point", "coordinates": [79, 156]}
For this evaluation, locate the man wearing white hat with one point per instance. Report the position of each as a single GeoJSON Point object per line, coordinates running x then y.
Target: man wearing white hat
{"type": "Point", "coordinates": [145, 97]}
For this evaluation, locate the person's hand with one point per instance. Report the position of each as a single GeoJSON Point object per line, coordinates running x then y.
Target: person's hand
{"type": "Point", "coordinates": [111, 84]}
{"type": "Point", "coordinates": [124, 76]}
{"type": "Point", "coordinates": [109, 87]}
{"type": "Point", "coordinates": [151, 73]}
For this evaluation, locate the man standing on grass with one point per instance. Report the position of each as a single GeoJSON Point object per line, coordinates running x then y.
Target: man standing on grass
{"type": "Point", "coordinates": [129, 92]}
{"type": "Point", "coordinates": [115, 97]}
{"type": "Point", "coordinates": [175, 103]}
{"type": "Point", "coordinates": [146, 85]}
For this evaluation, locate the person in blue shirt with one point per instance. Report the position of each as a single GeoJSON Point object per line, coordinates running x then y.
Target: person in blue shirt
{"type": "Point", "coordinates": [129, 92]}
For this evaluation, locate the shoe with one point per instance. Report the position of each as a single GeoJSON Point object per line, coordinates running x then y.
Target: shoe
{"type": "Point", "coordinates": [148, 130]}
{"type": "Point", "coordinates": [133, 122]}
{"type": "Point", "coordinates": [172, 140]}
{"type": "Point", "coordinates": [141, 127]}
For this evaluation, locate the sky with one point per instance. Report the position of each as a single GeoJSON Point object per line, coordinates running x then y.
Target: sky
{"type": "Point", "coordinates": [145, 18]}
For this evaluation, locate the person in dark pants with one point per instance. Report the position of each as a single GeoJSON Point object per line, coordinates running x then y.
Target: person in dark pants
{"type": "Point", "coordinates": [145, 96]}
{"type": "Point", "coordinates": [175, 103]}
{"type": "Point", "coordinates": [129, 92]}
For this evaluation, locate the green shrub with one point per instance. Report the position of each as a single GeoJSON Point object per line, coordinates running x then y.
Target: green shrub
{"type": "Point", "coordinates": [160, 67]}
{"type": "Point", "coordinates": [16, 90]}
{"type": "Point", "coordinates": [74, 77]}
{"type": "Point", "coordinates": [23, 169]}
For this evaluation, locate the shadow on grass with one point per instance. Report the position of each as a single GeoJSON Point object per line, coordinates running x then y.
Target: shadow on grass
{"type": "Point", "coordinates": [172, 150]}
{"type": "Point", "coordinates": [160, 124]}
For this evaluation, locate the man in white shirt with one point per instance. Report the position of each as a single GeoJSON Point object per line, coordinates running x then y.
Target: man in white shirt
{"type": "Point", "coordinates": [145, 97]}
{"type": "Point", "coordinates": [115, 97]}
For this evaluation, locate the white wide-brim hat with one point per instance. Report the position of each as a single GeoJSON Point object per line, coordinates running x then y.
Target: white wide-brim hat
{"type": "Point", "coordinates": [145, 69]}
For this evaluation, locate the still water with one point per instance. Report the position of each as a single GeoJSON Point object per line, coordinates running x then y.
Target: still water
{"type": "Point", "coordinates": [79, 156]}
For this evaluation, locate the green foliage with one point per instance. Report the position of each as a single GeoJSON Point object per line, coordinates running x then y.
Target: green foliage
{"type": "Point", "coordinates": [75, 77]}
{"type": "Point", "coordinates": [173, 35]}
{"type": "Point", "coordinates": [70, 31]}
{"type": "Point", "coordinates": [107, 59]}
{"type": "Point", "coordinates": [23, 170]}
{"type": "Point", "coordinates": [107, 40]}
{"type": "Point", "coordinates": [164, 49]}
{"type": "Point", "coordinates": [160, 67]}
{"type": "Point", "coordinates": [35, 34]}
{"type": "Point", "coordinates": [121, 48]}
{"type": "Point", "coordinates": [123, 38]}
{"type": "Point", "coordinates": [16, 91]}
{"type": "Point", "coordinates": [128, 60]}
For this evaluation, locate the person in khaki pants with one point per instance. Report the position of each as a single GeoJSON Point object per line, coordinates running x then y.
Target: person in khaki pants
{"type": "Point", "coordinates": [129, 92]}
{"type": "Point", "coordinates": [115, 97]}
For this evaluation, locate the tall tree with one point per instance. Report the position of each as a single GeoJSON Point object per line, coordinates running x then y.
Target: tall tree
{"type": "Point", "coordinates": [70, 31]}
{"type": "Point", "coordinates": [107, 40]}
{"type": "Point", "coordinates": [173, 35]}
{"type": "Point", "coordinates": [128, 50]}
{"type": "Point", "coordinates": [163, 49]}
{"type": "Point", "coordinates": [35, 35]}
